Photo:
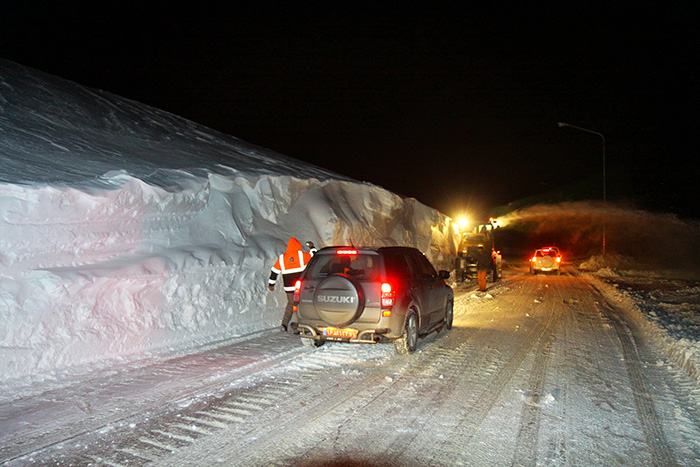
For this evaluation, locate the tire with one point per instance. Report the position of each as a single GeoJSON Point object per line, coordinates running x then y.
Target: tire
{"type": "Point", "coordinates": [348, 300]}
{"type": "Point", "coordinates": [408, 342]}
{"type": "Point", "coordinates": [449, 315]}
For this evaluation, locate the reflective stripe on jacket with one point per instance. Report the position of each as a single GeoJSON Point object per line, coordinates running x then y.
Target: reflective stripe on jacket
{"type": "Point", "coordinates": [290, 264]}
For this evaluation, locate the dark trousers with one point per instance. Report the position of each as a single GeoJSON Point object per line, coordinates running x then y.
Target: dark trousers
{"type": "Point", "coordinates": [287, 317]}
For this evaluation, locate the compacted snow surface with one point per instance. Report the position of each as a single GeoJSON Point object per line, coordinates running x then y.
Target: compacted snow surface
{"type": "Point", "coordinates": [136, 326]}
{"type": "Point", "coordinates": [540, 370]}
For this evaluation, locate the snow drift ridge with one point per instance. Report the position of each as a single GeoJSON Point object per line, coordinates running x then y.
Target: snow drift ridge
{"type": "Point", "coordinates": [154, 233]}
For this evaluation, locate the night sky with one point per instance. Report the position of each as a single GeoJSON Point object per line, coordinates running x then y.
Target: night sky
{"type": "Point", "coordinates": [454, 105]}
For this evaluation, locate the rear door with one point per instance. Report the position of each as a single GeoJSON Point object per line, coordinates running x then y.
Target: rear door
{"type": "Point", "coordinates": [403, 272]}
{"type": "Point", "coordinates": [434, 287]}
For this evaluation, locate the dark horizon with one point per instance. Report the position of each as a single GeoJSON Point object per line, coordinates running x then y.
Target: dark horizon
{"type": "Point", "coordinates": [457, 109]}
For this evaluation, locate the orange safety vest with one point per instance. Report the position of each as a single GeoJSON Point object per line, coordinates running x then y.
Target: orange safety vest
{"type": "Point", "coordinates": [290, 264]}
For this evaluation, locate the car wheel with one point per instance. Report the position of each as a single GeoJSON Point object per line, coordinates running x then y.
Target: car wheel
{"type": "Point", "coordinates": [409, 340]}
{"type": "Point", "coordinates": [449, 315]}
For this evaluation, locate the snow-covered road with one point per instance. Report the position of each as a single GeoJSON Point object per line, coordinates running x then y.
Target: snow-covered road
{"type": "Point", "coordinates": [542, 370]}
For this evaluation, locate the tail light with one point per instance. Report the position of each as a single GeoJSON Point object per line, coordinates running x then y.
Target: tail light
{"type": "Point", "coordinates": [534, 258]}
{"type": "Point", "coordinates": [349, 252]}
{"type": "Point", "coordinates": [388, 295]}
{"type": "Point", "coordinates": [558, 259]}
{"type": "Point", "coordinates": [297, 291]}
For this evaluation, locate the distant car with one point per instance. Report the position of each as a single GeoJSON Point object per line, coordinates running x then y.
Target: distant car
{"type": "Point", "coordinates": [546, 259]}
{"type": "Point", "coordinates": [372, 295]}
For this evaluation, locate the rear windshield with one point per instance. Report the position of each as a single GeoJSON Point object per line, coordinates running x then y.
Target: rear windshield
{"type": "Point", "coordinates": [364, 267]}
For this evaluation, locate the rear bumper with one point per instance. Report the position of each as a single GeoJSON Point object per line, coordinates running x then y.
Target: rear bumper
{"type": "Point", "coordinates": [369, 336]}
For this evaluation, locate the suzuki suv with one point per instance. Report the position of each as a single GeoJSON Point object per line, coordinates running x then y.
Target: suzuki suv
{"type": "Point", "coordinates": [371, 295]}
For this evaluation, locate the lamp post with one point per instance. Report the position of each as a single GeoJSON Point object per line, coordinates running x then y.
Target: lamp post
{"type": "Point", "coordinates": [561, 124]}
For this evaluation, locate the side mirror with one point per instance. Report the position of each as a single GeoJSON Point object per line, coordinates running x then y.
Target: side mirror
{"type": "Point", "coordinates": [444, 275]}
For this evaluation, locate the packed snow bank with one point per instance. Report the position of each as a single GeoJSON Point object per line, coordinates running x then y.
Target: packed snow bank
{"type": "Point", "coordinates": [89, 276]}
{"type": "Point", "coordinates": [125, 230]}
{"type": "Point", "coordinates": [666, 304]}
{"type": "Point", "coordinates": [606, 264]}
{"type": "Point", "coordinates": [620, 266]}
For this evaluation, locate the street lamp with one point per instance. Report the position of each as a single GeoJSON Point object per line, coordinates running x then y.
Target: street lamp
{"type": "Point", "coordinates": [560, 124]}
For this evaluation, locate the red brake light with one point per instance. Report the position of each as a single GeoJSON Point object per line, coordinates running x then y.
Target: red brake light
{"type": "Point", "coordinates": [346, 252]}
{"type": "Point", "coordinates": [297, 291]}
{"type": "Point", "coordinates": [388, 295]}
{"type": "Point", "coordinates": [558, 259]}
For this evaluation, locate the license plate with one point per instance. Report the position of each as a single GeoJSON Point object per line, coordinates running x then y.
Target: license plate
{"type": "Point", "coordinates": [338, 332]}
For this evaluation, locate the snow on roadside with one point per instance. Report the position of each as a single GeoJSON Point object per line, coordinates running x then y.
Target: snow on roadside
{"type": "Point", "coordinates": [665, 303]}
{"type": "Point", "coordinates": [135, 269]}
{"type": "Point", "coordinates": [126, 231]}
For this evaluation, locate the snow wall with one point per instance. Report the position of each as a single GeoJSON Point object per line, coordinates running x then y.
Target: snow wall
{"type": "Point", "coordinates": [124, 267]}
{"type": "Point", "coordinates": [92, 276]}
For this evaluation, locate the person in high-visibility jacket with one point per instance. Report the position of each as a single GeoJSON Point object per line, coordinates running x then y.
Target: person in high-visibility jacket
{"type": "Point", "coordinates": [290, 264]}
{"type": "Point", "coordinates": [484, 263]}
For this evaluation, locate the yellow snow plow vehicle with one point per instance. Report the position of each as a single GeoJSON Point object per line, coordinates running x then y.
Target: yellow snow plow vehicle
{"type": "Point", "coordinates": [481, 235]}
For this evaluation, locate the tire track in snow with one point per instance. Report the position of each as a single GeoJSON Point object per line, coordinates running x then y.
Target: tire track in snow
{"type": "Point", "coordinates": [161, 439]}
{"type": "Point", "coordinates": [405, 448]}
{"type": "Point", "coordinates": [594, 418]}
{"type": "Point", "coordinates": [422, 392]}
{"type": "Point", "coordinates": [528, 432]}
{"type": "Point", "coordinates": [335, 403]}
{"type": "Point", "coordinates": [476, 412]}
{"type": "Point", "coordinates": [332, 403]}
{"type": "Point", "coordinates": [424, 388]}
{"type": "Point", "coordinates": [124, 398]}
{"type": "Point", "coordinates": [661, 452]}
{"type": "Point", "coordinates": [577, 375]}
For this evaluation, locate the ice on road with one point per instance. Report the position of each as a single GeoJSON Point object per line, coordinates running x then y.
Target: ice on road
{"type": "Point", "coordinates": [541, 370]}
